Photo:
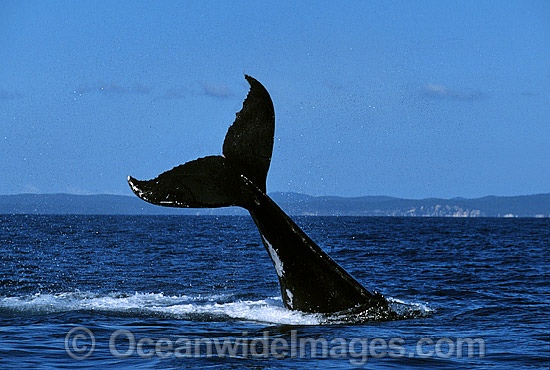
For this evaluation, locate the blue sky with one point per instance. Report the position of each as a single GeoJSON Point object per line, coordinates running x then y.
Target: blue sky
{"type": "Point", "coordinates": [403, 98]}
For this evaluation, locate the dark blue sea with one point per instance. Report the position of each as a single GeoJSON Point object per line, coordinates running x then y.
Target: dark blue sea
{"type": "Point", "coordinates": [173, 292]}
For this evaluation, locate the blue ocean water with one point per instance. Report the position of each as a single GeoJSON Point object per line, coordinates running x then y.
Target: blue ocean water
{"type": "Point", "coordinates": [170, 291]}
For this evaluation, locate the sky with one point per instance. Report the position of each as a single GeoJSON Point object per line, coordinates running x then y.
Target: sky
{"type": "Point", "coordinates": [411, 99]}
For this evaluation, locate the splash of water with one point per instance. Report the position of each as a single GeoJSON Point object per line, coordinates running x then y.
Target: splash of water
{"type": "Point", "coordinates": [215, 307]}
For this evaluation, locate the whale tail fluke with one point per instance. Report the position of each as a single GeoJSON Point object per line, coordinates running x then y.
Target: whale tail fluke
{"type": "Point", "coordinates": [221, 181]}
{"type": "Point", "coordinates": [310, 280]}
{"type": "Point", "coordinates": [203, 183]}
{"type": "Point", "coordinates": [248, 143]}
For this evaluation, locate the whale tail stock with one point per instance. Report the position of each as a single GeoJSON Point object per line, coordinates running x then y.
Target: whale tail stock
{"type": "Point", "coordinates": [222, 181]}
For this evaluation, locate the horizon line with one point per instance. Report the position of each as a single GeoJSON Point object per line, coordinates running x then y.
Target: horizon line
{"type": "Point", "coordinates": [297, 193]}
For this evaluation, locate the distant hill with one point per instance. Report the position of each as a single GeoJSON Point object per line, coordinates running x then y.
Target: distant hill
{"type": "Point", "coordinates": [293, 203]}
{"type": "Point", "coordinates": [93, 205]}
{"type": "Point", "coordinates": [490, 206]}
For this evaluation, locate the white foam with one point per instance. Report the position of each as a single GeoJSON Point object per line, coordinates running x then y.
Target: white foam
{"type": "Point", "coordinates": [199, 307]}
{"type": "Point", "coordinates": [260, 311]}
{"type": "Point", "coordinates": [179, 307]}
{"type": "Point", "coordinates": [400, 306]}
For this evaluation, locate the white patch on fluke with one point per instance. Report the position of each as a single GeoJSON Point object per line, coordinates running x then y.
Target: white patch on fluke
{"type": "Point", "coordinates": [290, 297]}
{"type": "Point", "coordinates": [166, 201]}
{"type": "Point", "coordinates": [274, 257]}
{"type": "Point", "coordinates": [135, 188]}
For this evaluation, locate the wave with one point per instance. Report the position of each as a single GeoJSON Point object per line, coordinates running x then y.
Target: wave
{"type": "Point", "coordinates": [215, 307]}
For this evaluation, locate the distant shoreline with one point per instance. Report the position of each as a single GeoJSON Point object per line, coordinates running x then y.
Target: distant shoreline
{"type": "Point", "coordinates": [534, 206]}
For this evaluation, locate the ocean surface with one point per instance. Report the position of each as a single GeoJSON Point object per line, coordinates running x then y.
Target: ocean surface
{"type": "Point", "coordinates": [172, 292]}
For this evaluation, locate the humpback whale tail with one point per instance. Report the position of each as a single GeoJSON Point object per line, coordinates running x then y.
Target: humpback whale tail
{"type": "Point", "coordinates": [310, 280]}
{"type": "Point", "coordinates": [222, 181]}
